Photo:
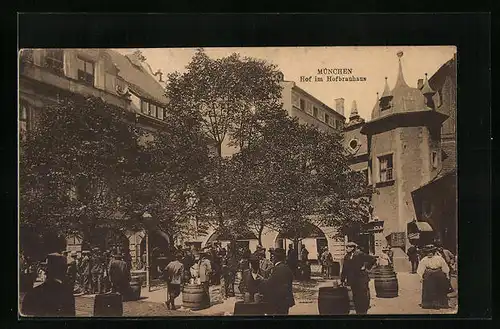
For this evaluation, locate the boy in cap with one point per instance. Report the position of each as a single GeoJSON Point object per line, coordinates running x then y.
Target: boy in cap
{"type": "Point", "coordinates": [52, 298]}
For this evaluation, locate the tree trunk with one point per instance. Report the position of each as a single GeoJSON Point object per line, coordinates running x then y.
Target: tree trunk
{"type": "Point", "coordinates": [261, 229]}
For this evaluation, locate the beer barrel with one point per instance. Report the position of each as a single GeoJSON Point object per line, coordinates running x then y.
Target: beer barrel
{"type": "Point", "coordinates": [194, 297]}
{"type": "Point", "coordinates": [110, 304]}
{"type": "Point", "coordinates": [242, 308]}
{"type": "Point", "coordinates": [135, 288]}
{"type": "Point", "coordinates": [386, 282]}
{"type": "Point", "coordinates": [333, 301]}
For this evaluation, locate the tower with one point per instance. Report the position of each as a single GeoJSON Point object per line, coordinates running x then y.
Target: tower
{"type": "Point", "coordinates": [403, 138]}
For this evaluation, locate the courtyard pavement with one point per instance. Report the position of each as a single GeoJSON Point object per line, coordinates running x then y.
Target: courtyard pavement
{"type": "Point", "coordinates": [306, 297]}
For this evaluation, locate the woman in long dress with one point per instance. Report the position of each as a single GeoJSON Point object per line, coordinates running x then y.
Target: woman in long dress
{"type": "Point", "coordinates": [434, 273]}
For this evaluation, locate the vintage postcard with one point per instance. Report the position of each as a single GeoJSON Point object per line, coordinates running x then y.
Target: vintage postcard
{"type": "Point", "coordinates": [237, 181]}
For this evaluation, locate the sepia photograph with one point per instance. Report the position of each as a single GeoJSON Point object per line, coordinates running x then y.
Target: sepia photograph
{"type": "Point", "coordinates": [248, 181]}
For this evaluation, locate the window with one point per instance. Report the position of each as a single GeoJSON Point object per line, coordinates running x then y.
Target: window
{"type": "Point", "coordinates": [353, 144]}
{"type": "Point", "coordinates": [385, 104]}
{"type": "Point", "coordinates": [54, 59]}
{"type": "Point", "coordinates": [85, 71]}
{"type": "Point", "coordinates": [386, 168]}
{"type": "Point", "coordinates": [434, 159]}
{"type": "Point", "coordinates": [334, 123]}
{"type": "Point", "coordinates": [302, 104]}
{"type": "Point", "coordinates": [327, 119]}
{"type": "Point", "coordinates": [160, 113]}
{"type": "Point", "coordinates": [144, 106]}
{"type": "Point", "coordinates": [315, 111]}
{"type": "Point", "coordinates": [152, 110]}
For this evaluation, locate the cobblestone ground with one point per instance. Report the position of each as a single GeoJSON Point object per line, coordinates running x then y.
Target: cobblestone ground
{"type": "Point", "coordinates": [85, 307]}
{"type": "Point", "coordinates": [306, 298]}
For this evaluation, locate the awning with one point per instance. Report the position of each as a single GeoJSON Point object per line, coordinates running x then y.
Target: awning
{"type": "Point", "coordinates": [415, 228]}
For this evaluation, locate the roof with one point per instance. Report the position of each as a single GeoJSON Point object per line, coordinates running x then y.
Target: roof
{"type": "Point", "coordinates": [421, 226]}
{"type": "Point", "coordinates": [138, 79]}
{"type": "Point", "coordinates": [447, 69]}
{"type": "Point", "coordinates": [404, 98]}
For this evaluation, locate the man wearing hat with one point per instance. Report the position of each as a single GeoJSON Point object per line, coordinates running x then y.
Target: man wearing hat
{"type": "Point", "coordinates": [52, 298]}
{"type": "Point", "coordinates": [277, 289]}
{"type": "Point", "coordinates": [354, 273]}
{"type": "Point", "coordinates": [119, 275]}
{"type": "Point", "coordinates": [85, 272]}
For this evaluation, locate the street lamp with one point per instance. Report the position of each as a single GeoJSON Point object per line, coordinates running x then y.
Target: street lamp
{"type": "Point", "coordinates": [147, 217]}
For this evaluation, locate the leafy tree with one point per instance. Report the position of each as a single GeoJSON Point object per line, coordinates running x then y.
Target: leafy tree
{"type": "Point", "coordinates": [73, 166]}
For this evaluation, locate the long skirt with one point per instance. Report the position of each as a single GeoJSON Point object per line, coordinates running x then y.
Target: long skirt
{"type": "Point", "coordinates": [435, 287]}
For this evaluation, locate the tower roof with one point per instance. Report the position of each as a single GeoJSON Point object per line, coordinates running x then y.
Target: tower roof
{"type": "Point", "coordinates": [426, 89]}
{"type": "Point", "coordinates": [403, 97]}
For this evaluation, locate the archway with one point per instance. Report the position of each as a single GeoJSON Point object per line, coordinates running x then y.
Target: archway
{"type": "Point", "coordinates": [246, 240]}
{"type": "Point", "coordinates": [311, 237]}
{"type": "Point", "coordinates": [160, 252]}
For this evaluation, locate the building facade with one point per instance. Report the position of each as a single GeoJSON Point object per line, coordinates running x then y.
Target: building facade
{"type": "Point", "coordinates": [127, 82]}
{"type": "Point", "coordinates": [405, 152]}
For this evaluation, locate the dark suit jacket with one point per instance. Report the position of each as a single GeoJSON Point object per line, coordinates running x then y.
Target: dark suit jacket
{"type": "Point", "coordinates": [51, 298]}
{"type": "Point", "coordinates": [355, 269]}
{"type": "Point", "coordinates": [277, 290]}
{"type": "Point", "coordinates": [248, 284]}
{"type": "Point", "coordinates": [119, 271]}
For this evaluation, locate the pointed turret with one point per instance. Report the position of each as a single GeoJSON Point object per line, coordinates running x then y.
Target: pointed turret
{"type": "Point", "coordinates": [426, 89]}
{"type": "Point", "coordinates": [387, 92]}
{"type": "Point", "coordinates": [400, 82]}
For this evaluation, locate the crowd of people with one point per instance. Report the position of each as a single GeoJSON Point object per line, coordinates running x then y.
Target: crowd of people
{"type": "Point", "coordinates": [255, 276]}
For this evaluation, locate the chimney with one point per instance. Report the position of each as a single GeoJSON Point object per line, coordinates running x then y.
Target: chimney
{"type": "Point", "coordinates": [339, 105]}
{"type": "Point", "coordinates": [420, 83]}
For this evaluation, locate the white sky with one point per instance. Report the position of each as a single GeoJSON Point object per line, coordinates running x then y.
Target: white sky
{"type": "Point", "coordinates": [374, 63]}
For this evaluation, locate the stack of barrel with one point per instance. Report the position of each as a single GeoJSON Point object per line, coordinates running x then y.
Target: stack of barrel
{"type": "Point", "coordinates": [386, 282]}
{"type": "Point", "coordinates": [194, 297]}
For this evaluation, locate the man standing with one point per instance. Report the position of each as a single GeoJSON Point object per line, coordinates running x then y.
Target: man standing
{"type": "Point", "coordinates": [97, 271]}
{"type": "Point", "coordinates": [413, 257]}
{"type": "Point", "coordinates": [173, 274]}
{"type": "Point", "coordinates": [265, 265]}
{"type": "Point", "coordinates": [292, 259]}
{"type": "Point", "coordinates": [205, 271]}
{"type": "Point", "coordinates": [277, 289]}
{"type": "Point", "coordinates": [251, 279]}
{"type": "Point", "coordinates": [85, 272]}
{"type": "Point", "coordinates": [354, 273]}
{"type": "Point", "coordinates": [72, 271]}
{"type": "Point", "coordinates": [326, 263]}
{"type": "Point", "coordinates": [52, 298]}
{"type": "Point", "coordinates": [119, 274]}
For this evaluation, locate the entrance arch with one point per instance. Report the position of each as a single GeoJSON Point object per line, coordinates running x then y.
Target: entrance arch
{"type": "Point", "coordinates": [314, 240]}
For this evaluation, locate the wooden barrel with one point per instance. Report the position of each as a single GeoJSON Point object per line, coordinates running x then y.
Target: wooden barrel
{"type": "Point", "coordinates": [241, 308]}
{"type": "Point", "coordinates": [108, 305]}
{"type": "Point", "coordinates": [135, 288]}
{"type": "Point", "coordinates": [386, 282]}
{"type": "Point", "coordinates": [194, 297]}
{"type": "Point", "coordinates": [333, 301]}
